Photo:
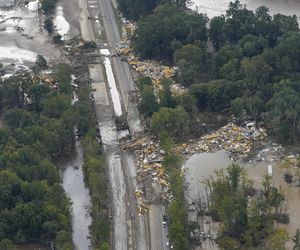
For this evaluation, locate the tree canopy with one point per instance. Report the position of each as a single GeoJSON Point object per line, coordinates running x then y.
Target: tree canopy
{"type": "Point", "coordinates": [37, 128]}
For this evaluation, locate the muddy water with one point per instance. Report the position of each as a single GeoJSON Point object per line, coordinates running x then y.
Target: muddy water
{"type": "Point", "coordinates": [217, 7]}
{"type": "Point", "coordinates": [291, 193]}
{"type": "Point", "coordinates": [22, 36]}
{"type": "Point", "coordinates": [73, 183]}
{"type": "Point", "coordinates": [201, 166]}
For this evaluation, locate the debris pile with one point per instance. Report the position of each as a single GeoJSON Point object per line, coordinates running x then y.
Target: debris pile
{"type": "Point", "coordinates": [152, 69]}
{"type": "Point", "coordinates": [143, 206]}
{"type": "Point", "coordinates": [150, 168]}
{"type": "Point", "coordinates": [124, 46]}
{"type": "Point", "coordinates": [150, 172]}
{"type": "Point", "coordinates": [236, 140]}
{"type": "Point", "coordinates": [78, 46]}
{"type": "Point", "coordinates": [148, 68]}
{"type": "Point", "coordinates": [271, 153]}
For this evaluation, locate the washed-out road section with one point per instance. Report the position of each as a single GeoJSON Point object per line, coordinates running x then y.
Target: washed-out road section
{"type": "Point", "coordinates": [130, 230]}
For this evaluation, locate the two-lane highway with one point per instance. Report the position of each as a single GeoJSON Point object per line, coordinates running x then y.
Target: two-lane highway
{"type": "Point", "coordinates": [130, 231]}
{"type": "Point", "coordinates": [158, 234]}
{"type": "Point", "coordinates": [121, 68]}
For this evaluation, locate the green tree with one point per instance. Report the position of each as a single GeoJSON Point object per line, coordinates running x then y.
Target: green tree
{"type": "Point", "coordinates": [187, 101]}
{"type": "Point", "coordinates": [134, 9]}
{"type": "Point", "coordinates": [253, 105]}
{"type": "Point", "coordinates": [237, 108]}
{"type": "Point", "coordinates": [192, 63]}
{"type": "Point", "coordinates": [18, 118]}
{"type": "Point", "coordinates": [7, 244]}
{"type": "Point", "coordinates": [63, 73]}
{"type": "Point", "coordinates": [166, 97]}
{"type": "Point", "coordinates": [48, 6]}
{"type": "Point", "coordinates": [157, 34]}
{"type": "Point", "coordinates": [216, 31]}
{"type": "Point", "coordinates": [40, 62]}
{"type": "Point", "coordinates": [279, 239]}
{"type": "Point", "coordinates": [148, 104]}
{"type": "Point", "coordinates": [172, 121]}
{"type": "Point", "coordinates": [285, 113]}
{"type": "Point", "coordinates": [144, 80]}
{"type": "Point", "coordinates": [296, 240]}
{"type": "Point", "coordinates": [228, 243]}
{"type": "Point", "coordinates": [48, 25]}
{"type": "Point", "coordinates": [56, 105]}
{"type": "Point", "coordinates": [253, 45]}
{"type": "Point", "coordinates": [38, 93]}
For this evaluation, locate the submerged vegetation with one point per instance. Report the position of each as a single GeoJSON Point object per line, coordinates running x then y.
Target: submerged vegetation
{"type": "Point", "coordinates": [246, 215]}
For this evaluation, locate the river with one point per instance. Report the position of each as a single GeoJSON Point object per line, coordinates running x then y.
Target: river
{"type": "Point", "coordinates": [217, 7]}
{"type": "Point", "coordinates": [74, 186]}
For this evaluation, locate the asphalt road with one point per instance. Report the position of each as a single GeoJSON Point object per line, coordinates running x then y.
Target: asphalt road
{"type": "Point", "coordinates": [130, 231]}
{"type": "Point", "coordinates": [108, 132]}
{"type": "Point", "coordinates": [121, 68]}
{"type": "Point", "coordinates": [158, 234]}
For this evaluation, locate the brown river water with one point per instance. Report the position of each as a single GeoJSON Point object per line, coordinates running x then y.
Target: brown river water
{"type": "Point", "coordinates": [76, 190]}
{"type": "Point", "coordinates": [217, 7]}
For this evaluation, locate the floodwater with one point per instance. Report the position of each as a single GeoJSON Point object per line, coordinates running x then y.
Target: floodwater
{"type": "Point", "coordinates": [22, 36]}
{"type": "Point", "coordinates": [198, 168]}
{"type": "Point", "coordinates": [74, 186]}
{"type": "Point", "coordinates": [112, 83]}
{"type": "Point", "coordinates": [217, 7]}
{"type": "Point", "coordinates": [201, 166]}
{"type": "Point", "coordinates": [290, 191]}
{"type": "Point", "coordinates": [17, 54]}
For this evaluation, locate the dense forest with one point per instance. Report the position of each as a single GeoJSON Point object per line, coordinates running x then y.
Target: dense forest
{"type": "Point", "coordinates": [38, 125]}
{"type": "Point", "coordinates": [245, 61]}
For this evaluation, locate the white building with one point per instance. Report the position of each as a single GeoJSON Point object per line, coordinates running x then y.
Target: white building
{"type": "Point", "coordinates": [7, 3]}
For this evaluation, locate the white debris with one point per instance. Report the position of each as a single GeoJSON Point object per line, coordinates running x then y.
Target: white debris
{"type": "Point", "coordinates": [62, 26]}
{"type": "Point", "coordinates": [270, 170]}
{"type": "Point", "coordinates": [104, 52]}
{"type": "Point", "coordinates": [33, 6]}
{"type": "Point", "coordinates": [74, 99]}
{"type": "Point", "coordinates": [112, 85]}
{"type": "Point", "coordinates": [73, 78]}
